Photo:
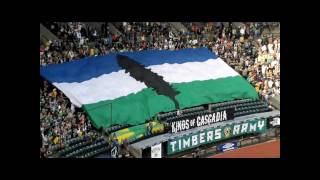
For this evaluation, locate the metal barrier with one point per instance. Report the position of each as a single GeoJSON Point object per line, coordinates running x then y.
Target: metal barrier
{"type": "Point", "coordinates": [272, 133]}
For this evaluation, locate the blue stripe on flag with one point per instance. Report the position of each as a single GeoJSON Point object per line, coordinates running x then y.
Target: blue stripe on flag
{"type": "Point", "coordinates": [79, 71]}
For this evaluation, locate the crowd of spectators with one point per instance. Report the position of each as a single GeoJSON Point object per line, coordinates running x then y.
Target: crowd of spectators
{"type": "Point", "coordinates": [255, 56]}
{"type": "Point", "coordinates": [59, 119]}
{"type": "Point", "coordinates": [252, 53]}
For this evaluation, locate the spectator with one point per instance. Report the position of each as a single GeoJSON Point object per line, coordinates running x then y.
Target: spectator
{"type": "Point", "coordinates": [149, 128]}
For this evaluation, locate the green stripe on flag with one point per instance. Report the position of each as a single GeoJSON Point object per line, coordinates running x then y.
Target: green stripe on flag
{"type": "Point", "coordinates": [136, 108]}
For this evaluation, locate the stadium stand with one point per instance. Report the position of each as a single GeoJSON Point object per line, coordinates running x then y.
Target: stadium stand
{"type": "Point", "coordinates": [66, 131]}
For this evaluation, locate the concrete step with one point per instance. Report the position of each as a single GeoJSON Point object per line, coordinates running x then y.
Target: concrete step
{"type": "Point", "coordinates": [113, 29]}
{"type": "Point", "coordinates": [179, 27]}
{"type": "Point", "coordinates": [46, 35]}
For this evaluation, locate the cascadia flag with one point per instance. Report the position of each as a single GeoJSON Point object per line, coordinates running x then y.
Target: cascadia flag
{"type": "Point", "coordinates": [132, 87]}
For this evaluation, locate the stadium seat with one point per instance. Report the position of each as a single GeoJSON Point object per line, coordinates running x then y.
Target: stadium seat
{"type": "Point", "coordinates": [243, 100]}
{"type": "Point", "coordinates": [68, 149]}
{"type": "Point", "coordinates": [89, 154]}
{"type": "Point", "coordinates": [81, 151]}
{"type": "Point", "coordinates": [85, 150]}
{"type": "Point", "coordinates": [68, 155]}
{"type": "Point", "coordinates": [72, 154]}
{"type": "Point", "coordinates": [62, 152]}
{"type": "Point", "coordinates": [91, 146]}
{"type": "Point", "coordinates": [95, 146]}
{"type": "Point", "coordinates": [99, 144]}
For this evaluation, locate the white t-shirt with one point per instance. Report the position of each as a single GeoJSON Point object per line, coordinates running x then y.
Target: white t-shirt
{"type": "Point", "coordinates": [81, 41]}
{"type": "Point", "coordinates": [234, 54]}
{"type": "Point", "coordinates": [263, 69]}
{"type": "Point", "coordinates": [72, 108]}
{"type": "Point", "coordinates": [234, 31]}
{"type": "Point", "coordinates": [223, 34]}
{"type": "Point", "coordinates": [242, 31]}
{"type": "Point", "coordinates": [264, 48]}
{"type": "Point", "coordinates": [195, 42]}
{"type": "Point", "coordinates": [259, 40]}
{"type": "Point", "coordinates": [170, 35]}
{"type": "Point", "coordinates": [247, 62]}
{"type": "Point", "coordinates": [275, 42]}
{"type": "Point", "coordinates": [270, 83]}
{"type": "Point", "coordinates": [270, 48]}
{"type": "Point", "coordinates": [274, 63]}
{"type": "Point", "coordinates": [78, 35]}
{"type": "Point", "coordinates": [278, 56]}
{"type": "Point", "coordinates": [45, 140]}
{"type": "Point", "coordinates": [71, 54]}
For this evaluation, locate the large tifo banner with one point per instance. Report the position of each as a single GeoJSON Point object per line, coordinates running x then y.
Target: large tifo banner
{"type": "Point", "coordinates": [215, 134]}
{"type": "Point", "coordinates": [201, 120]}
{"type": "Point", "coordinates": [132, 87]}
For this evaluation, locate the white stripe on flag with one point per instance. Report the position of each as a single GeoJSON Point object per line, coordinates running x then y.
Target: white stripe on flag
{"type": "Point", "coordinates": [117, 84]}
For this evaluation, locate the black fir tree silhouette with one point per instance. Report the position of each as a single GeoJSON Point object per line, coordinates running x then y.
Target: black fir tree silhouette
{"type": "Point", "coordinates": [151, 79]}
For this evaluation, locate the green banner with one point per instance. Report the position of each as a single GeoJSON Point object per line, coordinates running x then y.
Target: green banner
{"type": "Point", "coordinates": [215, 134]}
